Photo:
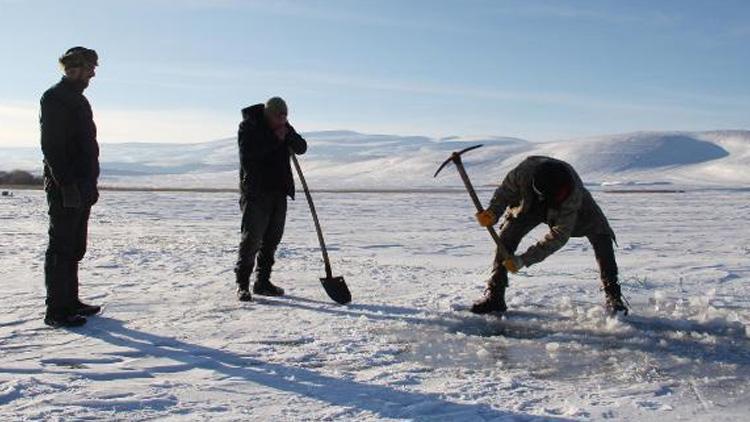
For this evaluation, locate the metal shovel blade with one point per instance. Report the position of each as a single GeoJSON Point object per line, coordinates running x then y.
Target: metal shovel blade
{"type": "Point", "coordinates": [337, 289]}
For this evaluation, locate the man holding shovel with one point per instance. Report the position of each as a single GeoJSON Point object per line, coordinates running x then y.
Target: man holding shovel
{"type": "Point", "coordinates": [546, 190]}
{"type": "Point", "coordinates": [265, 139]}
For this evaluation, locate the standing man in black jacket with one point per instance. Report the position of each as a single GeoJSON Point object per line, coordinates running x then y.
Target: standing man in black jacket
{"type": "Point", "coordinates": [71, 170]}
{"type": "Point", "coordinates": [265, 141]}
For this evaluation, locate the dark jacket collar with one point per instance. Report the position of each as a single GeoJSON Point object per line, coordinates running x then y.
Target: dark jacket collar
{"type": "Point", "coordinates": [254, 114]}
{"type": "Point", "coordinates": [75, 86]}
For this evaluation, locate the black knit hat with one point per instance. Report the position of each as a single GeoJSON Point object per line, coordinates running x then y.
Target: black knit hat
{"type": "Point", "coordinates": [79, 57]}
{"type": "Point", "coordinates": [553, 181]}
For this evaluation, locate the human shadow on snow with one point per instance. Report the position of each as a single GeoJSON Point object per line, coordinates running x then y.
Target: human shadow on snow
{"type": "Point", "coordinates": [382, 400]}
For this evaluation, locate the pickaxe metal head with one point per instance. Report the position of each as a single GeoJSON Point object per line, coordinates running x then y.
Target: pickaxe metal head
{"type": "Point", "coordinates": [456, 156]}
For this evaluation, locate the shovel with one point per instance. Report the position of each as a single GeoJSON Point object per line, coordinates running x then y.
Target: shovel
{"type": "Point", "coordinates": [335, 287]}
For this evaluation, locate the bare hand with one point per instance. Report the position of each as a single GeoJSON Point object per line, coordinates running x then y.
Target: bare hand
{"type": "Point", "coordinates": [281, 132]}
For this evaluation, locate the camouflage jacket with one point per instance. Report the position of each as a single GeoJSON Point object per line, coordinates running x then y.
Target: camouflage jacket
{"type": "Point", "coordinates": [577, 216]}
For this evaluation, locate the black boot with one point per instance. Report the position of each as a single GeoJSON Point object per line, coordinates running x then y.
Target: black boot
{"type": "Point", "coordinates": [614, 299]}
{"type": "Point", "coordinates": [493, 300]}
{"type": "Point", "coordinates": [243, 285]}
{"type": "Point", "coordinates": [63, 319]}
{"type": "Point", "coordinates": [243, 294]}
{"type": "Point", "coordinates": [87, 310]}
{"type": "Point", "coordinates": [81, 308]}
{"type": "Point", "coordinates": [264, 287]}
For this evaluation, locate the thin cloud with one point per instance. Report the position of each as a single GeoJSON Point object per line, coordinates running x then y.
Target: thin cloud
{"type": "Point", "coordinates": [665, 102]}
{"type": "Point", "coordinates": [578, 12]}
{"type": "Point", "coordinates": [335, 12]}
{"type": "Point", "coordinates": [741, 31]}
{"type": "Point", "coordinates": [20, 125]}
{"type": "Point", "coordinates": [164, 125]}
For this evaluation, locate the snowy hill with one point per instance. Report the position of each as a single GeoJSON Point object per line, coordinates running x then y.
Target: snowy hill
{"type": "Point", "coordinates": [345, 159]}
{"type": "Point", "coordinates": [697, 158]}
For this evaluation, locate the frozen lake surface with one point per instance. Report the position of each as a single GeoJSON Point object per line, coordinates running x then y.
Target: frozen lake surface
{"type": "Point", "coordinates": [174, 343]}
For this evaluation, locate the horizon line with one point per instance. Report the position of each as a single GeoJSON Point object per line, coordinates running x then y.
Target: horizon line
{"type": "Point", "coordinates": [437, 139]}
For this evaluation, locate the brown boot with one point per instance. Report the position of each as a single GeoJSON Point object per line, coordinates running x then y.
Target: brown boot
{"type": "Point", "coordinates": [492, 301]}
{"type": "Point", "coordinates": [615, 303]}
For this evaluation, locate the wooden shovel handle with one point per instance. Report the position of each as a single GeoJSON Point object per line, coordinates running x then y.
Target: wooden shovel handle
{"type": "Point", "coordinates": [322, 242]}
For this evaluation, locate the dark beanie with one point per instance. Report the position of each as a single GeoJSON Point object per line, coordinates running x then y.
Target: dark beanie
{"type": "Point", "coordinates": [79, 57]}
{"type": "Point", "coordinates": [553, 180]}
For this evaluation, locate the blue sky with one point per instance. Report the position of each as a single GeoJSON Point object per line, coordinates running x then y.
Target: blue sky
{"type": "Point", "coordinates": [179, 71]}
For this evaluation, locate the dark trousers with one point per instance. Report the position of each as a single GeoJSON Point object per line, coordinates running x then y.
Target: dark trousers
{"type": "Point", "coordinates": [514, 230]}
{"type": "Point", "coordinates": [263, 219]}
{"type": "Point", "coordinates": [68, 230]}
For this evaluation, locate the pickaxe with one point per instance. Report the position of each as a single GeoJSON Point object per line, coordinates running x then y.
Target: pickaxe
{"type": "Point", "coordinates": [456, 159]}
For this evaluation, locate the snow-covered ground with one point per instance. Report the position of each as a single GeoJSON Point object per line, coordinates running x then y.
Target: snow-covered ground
{"type": "Point", "coordinates": [173, 343]}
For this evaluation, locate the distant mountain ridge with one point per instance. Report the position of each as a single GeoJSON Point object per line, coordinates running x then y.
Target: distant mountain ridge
{"type": "Point", "coordinates": [350, 160]}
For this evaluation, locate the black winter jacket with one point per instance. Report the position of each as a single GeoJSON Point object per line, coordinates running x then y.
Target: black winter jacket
{"type": "Point", "coordinates": [264, 159]}
{"type": "Point", "coordinates": [71, 152]}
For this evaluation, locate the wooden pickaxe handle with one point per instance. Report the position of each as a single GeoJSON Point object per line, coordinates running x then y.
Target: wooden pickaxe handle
{"type": "Point", "coordinates": [473, 194]}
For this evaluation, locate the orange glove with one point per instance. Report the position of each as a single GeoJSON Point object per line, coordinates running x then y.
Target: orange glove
{"type": "Point", "coordinates": [486, 218]}
{"type": "Point", "coordinates": [513, 264]}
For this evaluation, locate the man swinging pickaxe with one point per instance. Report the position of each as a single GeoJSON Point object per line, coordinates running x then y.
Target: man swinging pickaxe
{"type": "Point", "coordinates": [541, 190]}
